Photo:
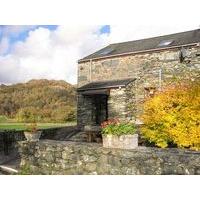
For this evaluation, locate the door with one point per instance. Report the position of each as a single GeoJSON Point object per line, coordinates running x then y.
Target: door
{"type": "Point", "coordinates": [101, 108]}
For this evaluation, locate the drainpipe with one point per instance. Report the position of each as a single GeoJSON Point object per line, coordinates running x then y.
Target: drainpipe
{"type": "Point", "coordinates": [90, 70]}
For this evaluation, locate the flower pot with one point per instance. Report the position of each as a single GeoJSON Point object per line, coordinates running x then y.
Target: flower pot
{"type": "Point", "coordinates": [120, 142]}
{"type": "Point", "coordinates": [32, 137]}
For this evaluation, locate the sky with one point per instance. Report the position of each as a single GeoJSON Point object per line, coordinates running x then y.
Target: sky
{"type": "Point", "coordinates": [52, 51]}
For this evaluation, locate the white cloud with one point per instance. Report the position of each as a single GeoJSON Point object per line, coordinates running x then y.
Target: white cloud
{"type": "Point", "coordinates": [50, 54]}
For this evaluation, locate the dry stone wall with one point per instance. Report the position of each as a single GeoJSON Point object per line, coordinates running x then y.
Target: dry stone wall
{"type": "Point", "coordinates": [56, 157]}
{"type": "Point", "coordinates": [85, 108]}
{"type": "Point", "coordinates": [116, 103]}
{"type": "Point", "coordinates": [9, 138]}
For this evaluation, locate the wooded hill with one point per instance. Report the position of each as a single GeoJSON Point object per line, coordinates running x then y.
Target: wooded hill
{"type": "Point", "coordinates": [39, 100]}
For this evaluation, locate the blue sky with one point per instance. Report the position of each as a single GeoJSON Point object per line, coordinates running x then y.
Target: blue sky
{"type": "Point", "coordinates": [105, 29]}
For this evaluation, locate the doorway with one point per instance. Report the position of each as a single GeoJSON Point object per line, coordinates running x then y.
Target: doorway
{"type": "Point", "coordinates": [100, 108]}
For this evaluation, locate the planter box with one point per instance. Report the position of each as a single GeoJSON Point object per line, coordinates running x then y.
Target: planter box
{"type": "Point", "coordinates": [32, 137]}
{"type": "Point", "coordinates": [120, 142]}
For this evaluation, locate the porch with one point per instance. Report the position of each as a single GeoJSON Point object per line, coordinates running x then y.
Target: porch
{"type": "Point", "coordinates": [100, 101]}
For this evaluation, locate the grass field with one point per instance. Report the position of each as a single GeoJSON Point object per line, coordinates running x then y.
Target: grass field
{"type": "Point", "coordinates": [22, 126]}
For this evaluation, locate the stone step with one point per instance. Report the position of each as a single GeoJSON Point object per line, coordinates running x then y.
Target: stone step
{"type": "Point", "coordinates": [79, 137]}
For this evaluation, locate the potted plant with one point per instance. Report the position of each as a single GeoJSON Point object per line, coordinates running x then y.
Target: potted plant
{"type": "Point", "coordinates": [32, 133]}
{"type": "Point", "coordinates": [118, 134]}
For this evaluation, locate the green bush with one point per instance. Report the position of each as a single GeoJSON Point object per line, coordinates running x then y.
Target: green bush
{"type": "Point", "coordinates": [3, 119]}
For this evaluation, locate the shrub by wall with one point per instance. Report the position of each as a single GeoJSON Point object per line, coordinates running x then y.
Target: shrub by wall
{"type": "Point", "coordinates": [173, 116]}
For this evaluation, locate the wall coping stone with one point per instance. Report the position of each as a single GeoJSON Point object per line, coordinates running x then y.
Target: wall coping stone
{"type": "Point", "coordinates": [100, 146]}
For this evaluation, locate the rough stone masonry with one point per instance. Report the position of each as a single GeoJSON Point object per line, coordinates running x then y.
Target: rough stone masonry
{"type": "Point", "coordinates": [154, 69]}
{"type": "Point", "coordinates": [71, 158]}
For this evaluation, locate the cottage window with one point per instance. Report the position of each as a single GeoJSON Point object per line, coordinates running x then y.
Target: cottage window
{"type": "Point", "coordinates": [106, 51]}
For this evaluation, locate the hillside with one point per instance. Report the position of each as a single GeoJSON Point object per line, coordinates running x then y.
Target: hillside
{"type": "Point", "coordinates": [38, 100]}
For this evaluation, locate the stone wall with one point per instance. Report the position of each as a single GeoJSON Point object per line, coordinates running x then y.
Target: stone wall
{"type": "Point", "coordinates": [131, 101]}
{"type": "Point", "coordinates": [143, 66]}
{"type": "Point", "coordinates": [56, 157]}
{"type": "Point", "coordinates": [151, 70]}
{"type": "Point", "coordinates": [84, 111]}
{"type": "Point", "coordinates": [9, 138]}
{"type": "Point", "coordinates": [116, 103]}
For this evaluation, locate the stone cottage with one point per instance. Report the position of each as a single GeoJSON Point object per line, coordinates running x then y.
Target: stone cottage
{"type": "Point", "coordinates": [114, 81]}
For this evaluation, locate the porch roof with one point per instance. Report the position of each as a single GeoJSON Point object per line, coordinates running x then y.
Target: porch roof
{"type": "Point", "coordinates": [105, 84]}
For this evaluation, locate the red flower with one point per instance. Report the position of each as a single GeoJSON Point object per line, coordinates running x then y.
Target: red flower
{"type": "Point", "coordinates": [114, 121]}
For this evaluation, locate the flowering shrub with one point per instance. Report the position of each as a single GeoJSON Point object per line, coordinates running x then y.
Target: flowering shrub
{"type": "Point", "coordinates": [115, 127]}
{"type": "Point", "coordinates": [173, 116]}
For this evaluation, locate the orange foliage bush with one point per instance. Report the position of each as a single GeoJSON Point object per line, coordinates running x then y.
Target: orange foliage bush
{"type": "Point", "coordinates": [173, 116]}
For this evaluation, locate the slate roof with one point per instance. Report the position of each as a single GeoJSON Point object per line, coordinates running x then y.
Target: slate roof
{"type": "Point", "coordinates": [151, 44]}
{"type": "Point", "coordinates": [105, 84]}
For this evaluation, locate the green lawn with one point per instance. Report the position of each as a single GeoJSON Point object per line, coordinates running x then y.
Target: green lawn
{"type": "Point", "coordinates": [22, 126]}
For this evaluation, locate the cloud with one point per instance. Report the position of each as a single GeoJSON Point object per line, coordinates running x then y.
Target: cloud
{"type": "Point", "coordinates": [50, 54]}
{"type": "Point", "coordinates": [4, 45]}
{"type": "Point", "coordinates": [9, 31]}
